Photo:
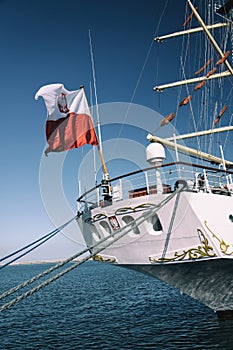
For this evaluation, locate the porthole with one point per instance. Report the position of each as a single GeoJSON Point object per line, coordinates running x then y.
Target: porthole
{"type": "Point", "coordinates": [127, 219]}
{"type": "Point", "coordinates": [153, 225]}
{"type": "Point", "coordinates": [157, 226]}
{"type": "Point", "coordinates": [105, 227]}
{"type": "Point", "coordinates": [95, 233]}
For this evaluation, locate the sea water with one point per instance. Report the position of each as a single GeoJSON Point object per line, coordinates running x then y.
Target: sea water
{"type": "Point", "coordinates": [99, 306]}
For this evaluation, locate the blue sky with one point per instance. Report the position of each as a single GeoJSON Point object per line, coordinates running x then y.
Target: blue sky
{"type": "Point", "coordinates": [46, 42]}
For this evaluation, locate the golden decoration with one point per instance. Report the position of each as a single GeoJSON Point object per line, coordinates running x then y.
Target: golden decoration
{"type": "Point", "coordinates": [123, 210]}
{"type": "Point", "coordinates": [139, 207]}
{"type": "Point", "coordinates": [200, 252]}
{"type": "Point", "coordinates": [222, 244]}
{"type": "Point", "coordinates": [98, 257]}
{"type": "Point", "coordinates": [99, 217]}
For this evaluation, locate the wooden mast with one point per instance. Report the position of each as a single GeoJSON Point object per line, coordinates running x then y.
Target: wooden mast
{"type": "Point", "coordinates": [104, 167]}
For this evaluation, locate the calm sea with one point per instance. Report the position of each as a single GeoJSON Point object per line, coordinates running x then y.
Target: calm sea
{"type": "Point", "coordinates": [98, 306]}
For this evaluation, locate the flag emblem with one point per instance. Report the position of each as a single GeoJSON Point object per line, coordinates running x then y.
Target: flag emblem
{"type": "Point", "coordinates": [62, 103]}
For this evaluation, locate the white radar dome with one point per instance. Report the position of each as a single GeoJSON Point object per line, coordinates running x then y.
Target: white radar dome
{"type": "Point", "coordinates": [155, 153]}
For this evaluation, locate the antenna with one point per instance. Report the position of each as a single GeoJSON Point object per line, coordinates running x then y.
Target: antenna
{"type": "Point", "coordinates": [95, 90]}
{"type": "Point", "coordinates": [106, 186]}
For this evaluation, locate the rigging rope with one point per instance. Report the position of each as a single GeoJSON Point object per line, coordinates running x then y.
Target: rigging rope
{"type": "Point", "coordinates": [40, 241]}
{"type": "Point", "coordinates": [191, 107]}
{"type": "Point", "coordinates": [139, 78]}
{"type": "Point", "coordinates": [121, 233]}
{"type": "Point", "coordinates": [27, 246]}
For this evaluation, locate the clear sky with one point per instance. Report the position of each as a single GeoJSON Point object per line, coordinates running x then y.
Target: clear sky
{"type": "Point", "coordinates": [45, 42]}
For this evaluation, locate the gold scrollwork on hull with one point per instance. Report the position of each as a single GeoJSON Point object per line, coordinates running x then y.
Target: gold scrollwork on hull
{"type": "Point", "coordinates": [124, 210]}
{"type": "Point", "coordinates": [139, 207]}
{"type": "Point", "coordinates": [99, 217]}
{"type": "Point", "coordinates": [224, 247]}
{"type": "Point", "coordinates": [101, 258]}
{"type": "Point", "coordinates": [200, 252]}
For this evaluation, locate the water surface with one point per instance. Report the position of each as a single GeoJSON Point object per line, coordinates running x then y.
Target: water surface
{"type": "Point", "coordinates": [99, 306]}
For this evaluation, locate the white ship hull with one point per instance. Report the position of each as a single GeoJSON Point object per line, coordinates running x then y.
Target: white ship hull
{"type": "Point", "coordinates": [209, 281]}
{"type": "Point", "coordinates": [191, 248]}
{"type": "Point", "coordinates": [183, 236]}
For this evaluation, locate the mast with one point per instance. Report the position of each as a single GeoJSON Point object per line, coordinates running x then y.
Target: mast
{"type": "Point", "coordinates": [104, 167]}
{"type": "Point", "coordinates": [187, 150]}
{"type": "Point", "coordinates": [160, 88]}
{"type": "Point", "coordinates": [201, 133]}
{"type": "Point", "coordinates": [95, 90]}
{"type": "Point", "coordinates": [169, 142]}
{"type": "Point", "coordinates": [206, 30]}
{"type": "Point", "coordinates": [105, 183]}
{"type": "Point", "coordinates": [189, 31]}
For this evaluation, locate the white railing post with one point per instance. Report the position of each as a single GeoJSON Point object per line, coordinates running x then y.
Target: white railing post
{"type": "Point", "coordinates": [147, 183]}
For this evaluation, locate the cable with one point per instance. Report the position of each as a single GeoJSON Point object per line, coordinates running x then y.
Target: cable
{"type": "Point", "coordinates": [42, 240]}
{"type": "Point", "coordinates": [121, 232]}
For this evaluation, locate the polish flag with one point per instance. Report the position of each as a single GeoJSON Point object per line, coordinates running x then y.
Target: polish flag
{"type": "Point", "coordinates": [69, 124]}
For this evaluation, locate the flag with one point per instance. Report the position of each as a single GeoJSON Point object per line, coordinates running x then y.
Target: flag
{"type": "Point", "coordinates": [69, 124]}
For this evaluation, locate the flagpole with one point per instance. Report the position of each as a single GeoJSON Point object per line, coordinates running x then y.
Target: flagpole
{"type": "Point", "coordinates": [104, 167]}
{"type": "Point", "coordinates": [106, 181]}
{"type": "Point", "coordinates": [95, 90]}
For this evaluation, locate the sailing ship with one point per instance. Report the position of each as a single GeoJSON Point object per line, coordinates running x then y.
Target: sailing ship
{"type": "Point", "coordinates": [172, 220]}
{"type": "Point", "coordinates": [177, 225]}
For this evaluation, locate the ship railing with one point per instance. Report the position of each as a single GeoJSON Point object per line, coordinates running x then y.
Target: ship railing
{"type": "Point", "coordinates": [199, 178]}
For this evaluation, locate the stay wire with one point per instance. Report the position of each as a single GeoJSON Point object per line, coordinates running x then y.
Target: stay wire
{"type": "Point", "coordinates": [28, 251]}
{"type": "Point", "coordinates": [40, 241]}
{"type": "Point", "coordinates": [139, 77]}
{"type": "Point", "coordinates": [127, 228]}
{"type": "Point", "coordinates": [27, 246]}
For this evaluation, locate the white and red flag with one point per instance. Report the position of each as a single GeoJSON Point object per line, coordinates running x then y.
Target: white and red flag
{"type": "Point", "coordinates": [69, 123]}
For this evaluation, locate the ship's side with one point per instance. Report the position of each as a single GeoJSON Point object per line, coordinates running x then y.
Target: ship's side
{"type": "Point", "coordinates": [177, 223]}
{"type": "Point", "coordinates": [186, 241]}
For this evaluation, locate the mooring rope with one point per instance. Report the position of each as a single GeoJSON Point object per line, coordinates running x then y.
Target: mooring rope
{"type": "Point", "coordinates": [40, 241]}
{"type": "Point", "coordinates": [121, 233]}
{"type": "Point", "coordinates": [27, 246]}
